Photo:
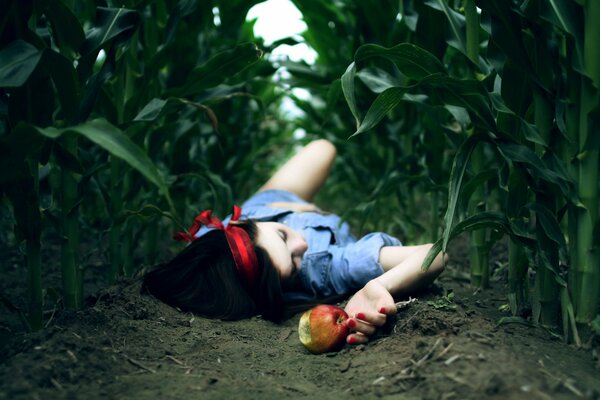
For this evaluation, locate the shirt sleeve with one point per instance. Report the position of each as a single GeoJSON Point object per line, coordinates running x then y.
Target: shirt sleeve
{"type": "Point", "coordinates": [355, 264]}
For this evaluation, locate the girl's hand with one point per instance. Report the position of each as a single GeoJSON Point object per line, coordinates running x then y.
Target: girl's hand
{"type": "Point", "coordinates": [368, 309]}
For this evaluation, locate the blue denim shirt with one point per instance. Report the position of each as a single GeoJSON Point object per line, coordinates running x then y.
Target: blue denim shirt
{"type": "Point", "coordinates": [336, 263]}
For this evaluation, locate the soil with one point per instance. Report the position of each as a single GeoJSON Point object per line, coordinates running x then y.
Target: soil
{"type": "Point", "coordinates": [446, 345]}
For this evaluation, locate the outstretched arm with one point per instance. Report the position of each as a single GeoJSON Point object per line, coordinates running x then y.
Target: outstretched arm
{"type": "Point", "coordinates": [370, 306]}
{"type": "Point", "coordinates": [304, 173]}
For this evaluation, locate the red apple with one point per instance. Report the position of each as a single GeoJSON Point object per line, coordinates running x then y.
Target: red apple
{"type": "Point", "coordinates": [323, 329]}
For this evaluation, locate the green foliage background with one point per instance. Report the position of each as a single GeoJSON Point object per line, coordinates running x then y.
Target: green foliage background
{"type": "Point", "coordinates": [119, 121]}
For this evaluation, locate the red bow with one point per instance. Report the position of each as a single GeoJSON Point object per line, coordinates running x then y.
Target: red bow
{"type": "Point", "coordinates": [239, 242]}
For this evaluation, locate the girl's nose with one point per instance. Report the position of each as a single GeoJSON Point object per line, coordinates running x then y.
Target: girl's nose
{"type": "Point", "coordinates": [298, 246]}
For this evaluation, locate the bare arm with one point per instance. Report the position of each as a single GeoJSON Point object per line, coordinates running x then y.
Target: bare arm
{"type": "Point", "coordinates": [371, 305]}
{"type": "Point", "coordinates": [305, 173]}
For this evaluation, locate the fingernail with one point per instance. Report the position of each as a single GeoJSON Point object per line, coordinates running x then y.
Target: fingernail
{"type": "Point", "coordinates": [351, 323]}
{"type": "Point", "coordinates": [382, 310]}
{"type": "Point", "coordinates": [351, 340]}
{"type": "Point", "coordinates": [360, 315]}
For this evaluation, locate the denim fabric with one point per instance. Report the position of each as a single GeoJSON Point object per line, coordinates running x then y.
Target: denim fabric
{"type": "Point", "coordinates": [336, 263]}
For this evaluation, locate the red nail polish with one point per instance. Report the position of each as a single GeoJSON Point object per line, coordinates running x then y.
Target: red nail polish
{"type": "Point", "coordinates": [382, 310]}
{"type": "Point", "coordinates": [351, 340]}
{"type": "Point", "coordinates": [360, 315]}
{"type": "Point", "coordinates": [352, 323]}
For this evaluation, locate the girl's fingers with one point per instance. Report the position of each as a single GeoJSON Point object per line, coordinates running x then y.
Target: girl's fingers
{"type": "Point", "coordinates": [359, 326]}
{"type": "Point", "coordinates": [373, 318]}
{"type": "Point", "coordinates": [388, 309]}
{"type": "Point", "coordinates": [356, 338]}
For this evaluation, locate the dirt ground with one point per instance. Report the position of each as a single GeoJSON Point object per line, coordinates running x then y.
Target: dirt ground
{"type": "Point", "coordinates": [447, 345]}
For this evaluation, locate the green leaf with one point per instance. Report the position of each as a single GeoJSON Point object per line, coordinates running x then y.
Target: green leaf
{"type": "Point", "coordinates": [569, 18]}
{"type": "Point", "coordinates": [18, 60]}
{"type": "Point", "coordinates": [111, 23]}
{"type": "Point", "coordinates": [467, 93]}
{"type": "Point", "coordinates": [66, 29]}
{"type": "Point", "coordinates": [152, 110]}
{"type": "Point", "coordinates": [506, 34]}
{"type": "Point", "coordinates": [158, 107]}
{"type": "Point", "coordinates": [218, 68]}
{"type": "Point", "coordinates": [411, 60]}
{"type": "Point", "coordinates": [111, 139]}
{"type": "Point", "coordinates": [65, 81]}
{"type": "Point", "coordinates": [457, 174]}
{"type": "Point", "coordinates": [333, 95]}
{"type": "Point", "coordinates": [477, 181]}
{"type": "Point", "coordinates": [550, 225]}
{"type": "Point", "coordinates": [456, 24]}
{"type": "Point", "coordinates": [508, 119]}
{"type": "Point", "coordinates": [95, 83]}
{"type": "Point", "coordinates": [523, 155]}
{"type": "Point", "coordinates": [348, 89]}
{"type": "Point", "coordinates": [385, 102]}
{"type": "Point", "coordinates": [489, 219]}
{"type": "Point", "coordinates": [377, 80]}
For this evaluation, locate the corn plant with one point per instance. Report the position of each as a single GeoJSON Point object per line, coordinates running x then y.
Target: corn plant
{"type": "Point", "coordinates": [393, 180]}
{"type": "Point", "coordinates": [137, 114]}
{"type": "Point", "coordinates": [531, 98]}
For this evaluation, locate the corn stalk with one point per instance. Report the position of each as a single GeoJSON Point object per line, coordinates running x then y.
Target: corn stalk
{"type": "Point", "coordinates": [479, 250]}
{"type": "Point", "coordinates": [587, 254]}
{"type": "Point", "coordinates": [546, 306]}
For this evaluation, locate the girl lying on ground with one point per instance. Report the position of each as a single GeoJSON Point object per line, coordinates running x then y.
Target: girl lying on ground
{"type": "Point", "coordinates": [281, 249]}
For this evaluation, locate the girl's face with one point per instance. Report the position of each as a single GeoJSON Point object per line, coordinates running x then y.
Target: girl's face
{"type": "Point", "coordinates": [284, 245]}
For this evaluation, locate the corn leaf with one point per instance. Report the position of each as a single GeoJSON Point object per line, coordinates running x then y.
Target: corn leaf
{"type": "Point", "coordinates": [550, 225]}
{"type": "Point", "coordinates": [568, 17]}
{"type": "Point", "coordinates": [456, 24]}
{"type": "Point", "coordinates": [457, 174]}
{"type": "Point", "coordinates": [469, 94]}
{"type": "Point", "coordinates": [377, 79]}
{"type": "Point", "coordinates": [411, 60]}
{"type": "Point", "coordinates": [111, 23]}
{"type": "Point", "coordinates": [65, 81]}
{"type": "Point", "coordinates": [66, 29]}
{"type": "Point", "coordinates": [111, 139]}
{"type": "Point", "coordinates": [218, 68]}
{"type": "Point", "coordinates": [154, 109]}
{"type": "Point", "coordinates": [348, 89]}
{"type": "Point", "coordinates": [489, 219]}
{"type": "Point", "coordinates": [523, 155]}
{"type": "Point", "coordinates": [18, 60]}
{"type": "Point", "coordinates": [506, 35]}
{"type": "Point", "coordinates": [385, 102]}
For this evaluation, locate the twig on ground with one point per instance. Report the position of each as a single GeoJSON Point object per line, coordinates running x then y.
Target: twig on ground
{"type": "Point", "coordinates": [428, 355]}
{"type": "Point", "coordinates": [443, 352]}
{"type": "Point", "coordinates": [452, 359]}
{"type": "Point", "coordinates": [176, 361]}
{"type": "Point", "coordinates": [56, 384]}
{"type": "Point", "coordinates": [404, 304]}
{"type": "Point", "coordinates": [140, 365]}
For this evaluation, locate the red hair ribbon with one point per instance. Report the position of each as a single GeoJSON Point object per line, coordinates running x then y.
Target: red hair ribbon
{"type": "Point", "coordinates": [239, 242]}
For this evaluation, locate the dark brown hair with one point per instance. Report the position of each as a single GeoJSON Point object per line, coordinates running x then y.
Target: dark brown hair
{"type": "Point", "coordinates": [203, 279]}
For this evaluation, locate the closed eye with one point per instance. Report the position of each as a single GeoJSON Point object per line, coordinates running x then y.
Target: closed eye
{"type": "Point", "coordinates": [283, 235]}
